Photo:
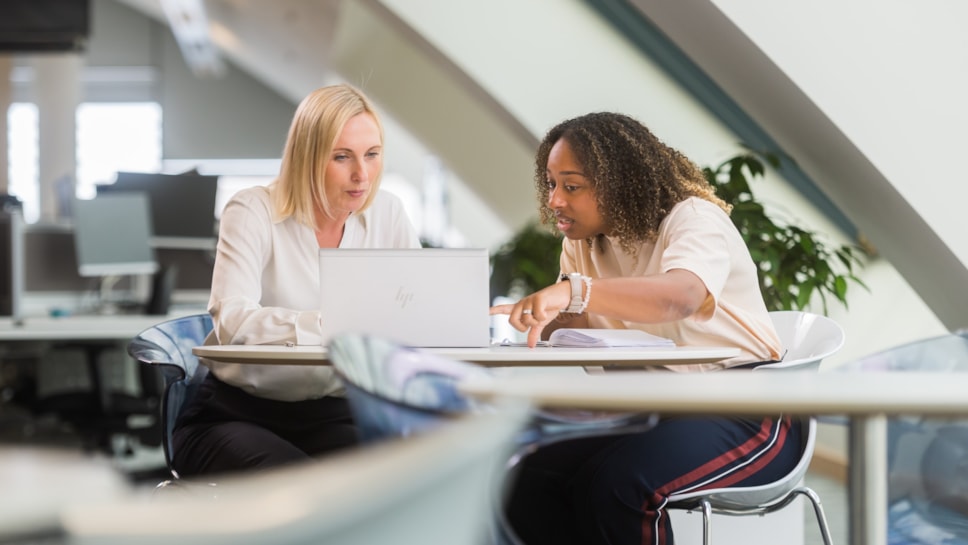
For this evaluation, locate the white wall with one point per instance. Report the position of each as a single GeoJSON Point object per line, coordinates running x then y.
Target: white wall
{"type": "Point", "coordinates": [893, 75]}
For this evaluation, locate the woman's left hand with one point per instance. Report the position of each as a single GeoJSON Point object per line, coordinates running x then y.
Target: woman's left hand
{"type": "Point", "coordinates": [534, 312]}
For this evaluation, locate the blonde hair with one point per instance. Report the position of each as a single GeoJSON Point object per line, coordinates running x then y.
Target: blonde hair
{"type": "Point", "coordinates": [300, 188]}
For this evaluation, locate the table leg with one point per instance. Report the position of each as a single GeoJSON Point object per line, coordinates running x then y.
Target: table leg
{"type": "Point", "coordinates": [867, 481]}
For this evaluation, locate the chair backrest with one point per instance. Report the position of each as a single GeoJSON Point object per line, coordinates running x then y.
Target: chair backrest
{"type": "Point", "coordinates": [808, 338]}
{"type": "Point", "coordinates": [752, 497]}
{"type": "Point", "coordinates": [167, 347]}
{"type": "Point", "coordinates": [431, 488]}
{"type": "Point", "coordinates": [395, 390]}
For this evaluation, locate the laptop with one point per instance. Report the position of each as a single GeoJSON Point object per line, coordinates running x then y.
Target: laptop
{"type": "Point", "coordinates": [422, 297]}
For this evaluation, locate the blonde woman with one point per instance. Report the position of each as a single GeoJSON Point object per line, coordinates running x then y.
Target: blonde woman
{"type": "Point", "coordinates": [265, 290]}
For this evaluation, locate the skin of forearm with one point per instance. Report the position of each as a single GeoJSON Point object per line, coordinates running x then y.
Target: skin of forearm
{"type": "Point", "coordinates": [667, 297]}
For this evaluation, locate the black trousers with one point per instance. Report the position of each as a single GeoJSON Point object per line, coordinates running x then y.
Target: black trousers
{"type": "Point", "coordinates": [612, 490]}
{"type": "Point", "coordinates": [225, 429]}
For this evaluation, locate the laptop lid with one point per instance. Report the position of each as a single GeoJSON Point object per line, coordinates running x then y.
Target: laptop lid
{"type": "Point", "coordinates": [424, 297]}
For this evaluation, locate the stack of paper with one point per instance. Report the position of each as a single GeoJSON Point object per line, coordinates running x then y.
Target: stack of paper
{"type": "Point", "coordinates": [607, 338]}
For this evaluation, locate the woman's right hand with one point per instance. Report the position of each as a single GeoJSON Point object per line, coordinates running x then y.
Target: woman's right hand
{"type": "Point", "coordinates": [533, 312]}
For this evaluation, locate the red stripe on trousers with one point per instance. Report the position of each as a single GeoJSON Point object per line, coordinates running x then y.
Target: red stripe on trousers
{"type": "Point", "coordinates": [652, 517]}
{"type": "Point", "coordinates": [752, 444]}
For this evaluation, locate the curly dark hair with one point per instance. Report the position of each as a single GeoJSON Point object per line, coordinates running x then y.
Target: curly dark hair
{"type": "Point", "coordinates": [637, 179]}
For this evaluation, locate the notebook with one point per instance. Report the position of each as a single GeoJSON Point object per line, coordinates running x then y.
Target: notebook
{"type": "Point", "coordinates": [607, 338]}
{"type": "Point", "coordinates": [423, 297]}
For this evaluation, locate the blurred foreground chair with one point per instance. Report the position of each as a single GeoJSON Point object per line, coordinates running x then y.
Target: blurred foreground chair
{"type": "Point", "coordinates": [397, 391]}
{"type": "Point", "coordinates": [927, 481]}
{"type": "Point", "coordinates": [432, 489]}
{"type": "Point", "coordinates": [807, 338]}
{"type": "Point", "coordinates": [39, 483]}
{"type": "Point", "coordinates": [167, 348]}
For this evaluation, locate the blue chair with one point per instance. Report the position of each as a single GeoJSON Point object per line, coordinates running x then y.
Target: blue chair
{"type": "Point", "coordinates": [396, 391]}
{"type": "Point", "coordinates": [167, 348]}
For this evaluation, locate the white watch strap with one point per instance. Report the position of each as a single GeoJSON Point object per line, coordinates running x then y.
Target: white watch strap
{"type": "Point", "coordinates": [575, 306]}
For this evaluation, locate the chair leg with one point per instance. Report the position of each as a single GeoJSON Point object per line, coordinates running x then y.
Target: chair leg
{"type": "Point", "coordinates": [707, 515]}
{"type": "Point", "coordinates": [818, 511]}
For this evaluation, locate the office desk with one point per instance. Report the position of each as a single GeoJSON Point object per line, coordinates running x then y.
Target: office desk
{"type": "Point", "coordinates": [93, 334]}
{"type": "Point", "coordinates": [495, 356]}
{"type": "Point", "coordinates": [866, 398]}
{"type": "Point", "coordinates": [77, 328]}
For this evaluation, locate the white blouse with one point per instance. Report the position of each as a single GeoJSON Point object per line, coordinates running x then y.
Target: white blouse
{"type": "Point", "coordinates": [265, 287]}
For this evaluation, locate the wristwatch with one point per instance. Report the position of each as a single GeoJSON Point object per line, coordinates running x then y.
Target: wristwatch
{"type": "Point", "coordinates": [575, 306]}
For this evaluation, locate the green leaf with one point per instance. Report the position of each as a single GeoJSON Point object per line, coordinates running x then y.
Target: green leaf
{"type": "Point", "coordinates": [793, 264]}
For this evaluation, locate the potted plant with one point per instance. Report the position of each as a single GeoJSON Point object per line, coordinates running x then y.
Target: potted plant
{"type": "Point", "coordinates": [526, 263]}
{"type": "Point", "coordinates": [793, 263]}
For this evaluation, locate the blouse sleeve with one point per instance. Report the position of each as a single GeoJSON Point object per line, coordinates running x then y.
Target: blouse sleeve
{"type": "Point", "coordinates": [244, 247]}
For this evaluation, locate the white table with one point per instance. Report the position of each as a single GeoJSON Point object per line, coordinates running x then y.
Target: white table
{"type": "Point", "coordinates": [495, 356]}
{"type": "Point", "coordinates": [866, 398]}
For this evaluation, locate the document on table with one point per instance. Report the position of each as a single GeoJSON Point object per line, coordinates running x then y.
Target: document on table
{"type": "Point", "coordinates": [607, 338]}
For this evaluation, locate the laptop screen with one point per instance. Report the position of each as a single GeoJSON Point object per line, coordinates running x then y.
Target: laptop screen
{"type": "Point", "coordinates": [423, 297]}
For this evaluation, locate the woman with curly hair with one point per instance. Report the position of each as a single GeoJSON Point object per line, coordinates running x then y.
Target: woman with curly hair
{"type": "Point", "coordinates": [648, 245]}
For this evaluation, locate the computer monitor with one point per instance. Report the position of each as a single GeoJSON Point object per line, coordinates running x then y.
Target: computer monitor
{"type": "Point", "coordinates": [182, 206]}
{"type": "Point", "coordinates": [112, 235]}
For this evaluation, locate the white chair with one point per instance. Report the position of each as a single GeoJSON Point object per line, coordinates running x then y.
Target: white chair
{"type": "Point", "coordinates": [758, 500]}
{"type": "Point", "coordinates": [431, 488]}
{"type": "Point", "coordinates": [807, 337]}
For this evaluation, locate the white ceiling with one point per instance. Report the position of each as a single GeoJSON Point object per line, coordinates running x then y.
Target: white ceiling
{"type": "Point", "coordinates": [283, 43]}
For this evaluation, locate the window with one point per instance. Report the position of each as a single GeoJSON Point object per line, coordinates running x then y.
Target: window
{"type": "Point", "coordinates": [116, 136]}
{"type": "Point", "coordinates": [110, 137]}
{"type": "Point", "coordinates": [23, 163]}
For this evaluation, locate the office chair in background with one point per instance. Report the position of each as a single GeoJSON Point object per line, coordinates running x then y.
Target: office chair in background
{"type": "Point", "coordinates": [104, 416]}
{"type": "Point", "coordinates": [167, 349]}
